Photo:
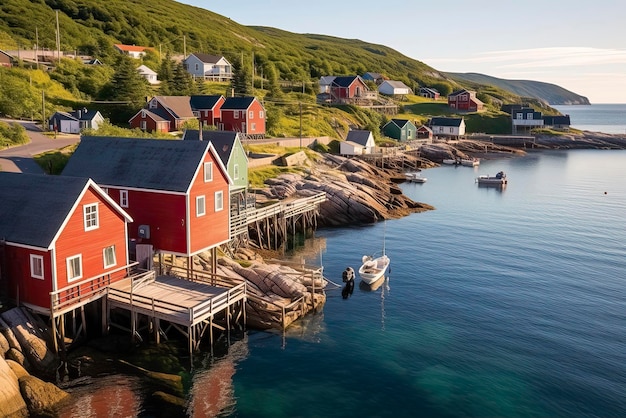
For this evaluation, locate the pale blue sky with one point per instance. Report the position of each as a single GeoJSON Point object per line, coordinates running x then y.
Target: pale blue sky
{"type": "Point", "coordinates": [578, 45]}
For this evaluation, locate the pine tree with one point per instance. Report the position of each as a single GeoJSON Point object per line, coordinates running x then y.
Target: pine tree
{"type": "Point", "coordinates": [127, 84]}
{"type": "Point", "coordinates": [242, 79]}
{"type": "Point", "coordinates": [182, 82]}
{"type": "Point", "coordinates": [166, 74]}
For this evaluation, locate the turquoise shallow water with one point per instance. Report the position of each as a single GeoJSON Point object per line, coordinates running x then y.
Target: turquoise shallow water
{"type": "Point", "coordinates": [499, 303]}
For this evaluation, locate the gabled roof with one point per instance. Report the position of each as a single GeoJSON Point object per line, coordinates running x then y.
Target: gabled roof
{"type": "Point", "coordinates": [327, 80]}
{"type": "Point", "coordinates": [156, 115]}
{"type": "Point", "coordinates": [179, 106]}
{"type": "Point", "coordinates": [204, 102]}
{"type": "Point", "coordinates": [359, 136]}
{"type": "Point", "coordinates": [462, 91]}
{"type": "Point", "coordinates": [6, 54]}
{"type": "Point", "coordinates": [223, 141]}
{"type": "Point", "coordinates": [131, 48]}
{"type": "Point", "coordinates": [76, 115]}
{"type": "Point", "coordinates": [208, 59]}
{"type": "Point", "coordinates": [346, 81]}
{"type": "Point", "coordinates": [144, 69]}
{"type": "Point", "coordinates": [424, 128]}
{"type": "Point", "coordinates": [429, 90]}
{"type": "Point", "coordinates": [237, 103]}
{"type": "Point", "coordinates": [35, 207]}
{"type": "Point", "coordinates": [400, 123]}
{"type": "Point", "coordinates": [395, 84]}
{"type": "Point", "coordinates": [151, 164]}
{"type": "Point", "coordinates": [60, 115]}
{"type": "Point", "coordinates": [446, 122]}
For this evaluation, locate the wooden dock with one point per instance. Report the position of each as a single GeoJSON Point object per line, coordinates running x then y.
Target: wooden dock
{"type": "Point", "coordinates": [188, 306]}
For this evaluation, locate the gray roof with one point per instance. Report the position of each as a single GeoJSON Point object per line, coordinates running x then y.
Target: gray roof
{"type": "Point", "coordinates": [237, 103]}
{"type": "Point", "coordinates": [203, 102]}
{"type": "Point", "coordinates": [34, 207]}
{"type": "Point", "coordinates": [152, 164]}
{"type": "Point", "coordinates": [358, 136]}
{"type": "Point", "coordinates": [445, 122]}
{"type": "Point", "coordinates": [207, 58]}
{"type": "Point", "coordinates": [178, 106]}
{"type": "Point", "coordinates": [223, 141]}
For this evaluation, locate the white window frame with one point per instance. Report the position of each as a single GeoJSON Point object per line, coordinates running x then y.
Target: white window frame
{"type": "Point", "coordinates": [261, 114]}
{"type": "Point", "coordinates": [90, 216]}
{"type": "Point", "coordinates": [36, 261]}
{"type": "Point", "coordinates": [200, 206]}
{"type": "Point", "coordinates": [236, 172]}
{"type": "Point", "coordinates": [68, 263]}
{"type": "Point", "coordinates": [143, 125]}
{"type": "Point", "coordinates": [219, 201]}
{"type": "Point", "coordinates": [124, 198]}
{"type": "Point", "coordinates": [251, 114]}
{"type": "Point", "coordinates": [208, 171]}
{"type": "Point", "coordinates": [253, 126]}
{"type": "Point", "coordinates": [236, 114]}
{"type": "Point", "coordinates": [111, 250]}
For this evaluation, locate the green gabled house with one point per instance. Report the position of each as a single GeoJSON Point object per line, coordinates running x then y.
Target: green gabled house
{"type": "Point", "coordinates": [233, 156]}
{"type": "Point", "coordinates": [400, 129]}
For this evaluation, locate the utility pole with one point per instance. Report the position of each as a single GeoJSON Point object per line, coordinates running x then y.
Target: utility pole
{"type": "Point", "coordinates": [184, 46]}
{"type": "Point", "coordinates": [300, 125]}
{"type": "Point", "coordinates": [43, 110]}
{"type": "Point", "coordinates": [36, 46]}
{"type": "Point", "coordinates": [58, 38]}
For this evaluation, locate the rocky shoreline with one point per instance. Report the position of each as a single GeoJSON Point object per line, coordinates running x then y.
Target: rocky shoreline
{"type": "Point", "coordinates": [357, 193]}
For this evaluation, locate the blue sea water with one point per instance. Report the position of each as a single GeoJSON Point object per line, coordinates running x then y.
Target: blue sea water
{"type": "Point", "coordinates": [607, 118]}
{"type": "Point", "coordinates": [499, 303]}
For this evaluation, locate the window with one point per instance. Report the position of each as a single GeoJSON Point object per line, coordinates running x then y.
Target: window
{"type": "Point", "coordinates": [105, 190]}
{"type": "Point", "coordinates": [208, 172]}
{"type": "Point", "coordinates": [197, 67]}
{"type": "Point", "coordinates": [251, 115]}
{"type": "Point", "coordinates": [261, 115]}
{"type": "Point", "coordinates": [108, 255]}
{"type": "Point", "coordinates": [236, 172]}
{"type": "Point", "coordinates": [74, 268]}
{"type": "Point", "coordinates": [143, 125]}
{"type": "Point", "coordinates": [236, 114]}
{"type": "Point", "coordinates": [36, 266]}
{"type": "Point", "coordinates": [124, 198]}
{"type": "Point", "coordinates": [253, 127]}
{"type": "Point", "coordinates": [200, 206]}
{"type": "Point", "coordinates": [219, 201]}
{"type": "Point", "coordinates": [153, 104]}
{"type": "Point", "coordinates": [90, 213]}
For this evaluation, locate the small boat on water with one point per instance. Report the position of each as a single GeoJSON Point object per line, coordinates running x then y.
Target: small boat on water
{"type": "Point", "coordinates": [470, 162]}
{"type": "Point", "coordinates": [415, 178]}
{"type": "Point", "coordinates": [372, 268]}
{"type": "Point", "coordinates": [450, 161]}
{"type": "Point", "coordinates": [498, 180]}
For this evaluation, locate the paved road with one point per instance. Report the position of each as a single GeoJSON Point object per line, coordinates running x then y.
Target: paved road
{"type": "Point", "coordinates": [20, 159]}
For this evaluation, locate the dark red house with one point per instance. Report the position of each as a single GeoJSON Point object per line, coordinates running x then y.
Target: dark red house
{"type": "Point", "coordinates": [464, 100]}
{"type": "Point", "coordinates": [245, 115]}
{"type": "Point", "coordinates": [347, 87]}
{"type": "Point", "coordinates": [207, 108]}
{"type": "Point", "coordinates": [62, 241]}
{"type": "Point", "coordinates": [176, 191]}
{"type": "Point", "coordinates": [163, 114]}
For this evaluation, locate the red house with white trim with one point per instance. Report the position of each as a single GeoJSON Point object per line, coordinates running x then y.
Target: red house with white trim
{"type": "Point", "coordinates": [207, 108]}
{"type": "Point", "coordinates": [61, 236]}
{"type": "Point", "coordinates": [163, 114]}
{"type": "Point", "coordinates": [465, 100]}
{"type": "Point", "coordinates": [176, 191]}
{"type": "Point", "coordinates": [245, 115]}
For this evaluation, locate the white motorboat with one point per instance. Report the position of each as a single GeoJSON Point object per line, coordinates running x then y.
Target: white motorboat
{"type": "Point", "coordinates": [470, 162]}
{"type": "Point", "coordinates": [450, 161]}
{"type": "Point", "coordinates": [498, 180]}
{"type": "Point", "coordinates": [372, 268]}
{"type": "Point", "coordinates": [415, 178]}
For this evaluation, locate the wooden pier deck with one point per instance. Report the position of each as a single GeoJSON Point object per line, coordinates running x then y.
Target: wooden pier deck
{"type": "Point", "coordinates": [182, 303]}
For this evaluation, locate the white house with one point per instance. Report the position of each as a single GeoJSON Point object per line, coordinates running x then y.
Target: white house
{"type": "Point", "coordinates": [357, 142]}
{"type": "Point", "coordinates": [148, 74]}
{"type": "Point", "coordinates": [447, 127]}
{"type": "Point", "coordinates": [325, 83]}
{"type": "Point", "coordinates": [211, 67]}
{"type": "Point", "coordinates": [75, 121]}
{"type": "Point", "coordinates": [133, 51]}
{"type": "Point", "coordinates": [394, 88]}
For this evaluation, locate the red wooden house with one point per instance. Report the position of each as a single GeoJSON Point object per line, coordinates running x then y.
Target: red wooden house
{"type": "Point", "coordinates": [464, 100]}
{"type": "Point", "coordinates": [245, 115]}
{"type": "Point", "coordinates": [61, 237]}
{"type": "Point", "coordinates": [163, 114]}
{"type": "Point", "coordinates": [347, 88]}
{"type": "Point", "coordinates": [207, 108]}
{"type": "Point", "coordinates": [176, 191]}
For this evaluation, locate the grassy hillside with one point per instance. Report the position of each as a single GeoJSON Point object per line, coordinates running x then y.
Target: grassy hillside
{"type": "Point", "coordinates": [550, 93]}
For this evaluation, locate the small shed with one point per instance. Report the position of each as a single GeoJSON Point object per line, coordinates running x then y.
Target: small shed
{"type": "Point", "coordinates": [394, 88]}
{"type": "Point", "coordinates": [357, 142]}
